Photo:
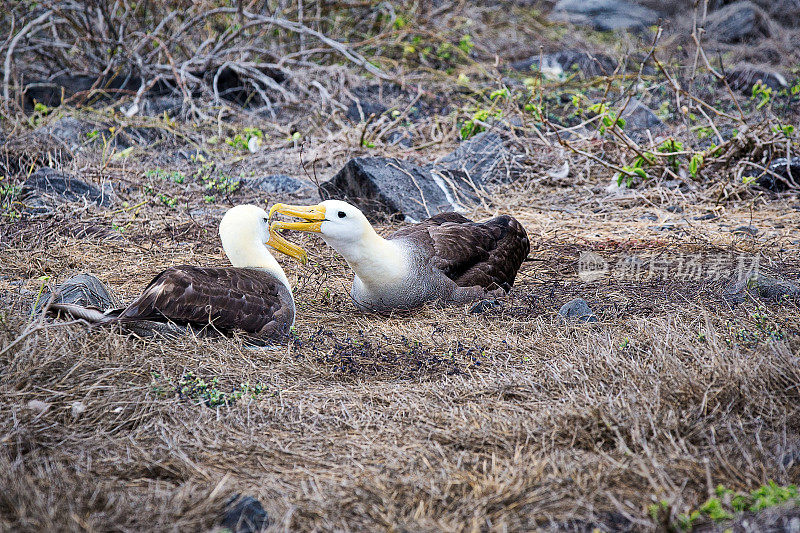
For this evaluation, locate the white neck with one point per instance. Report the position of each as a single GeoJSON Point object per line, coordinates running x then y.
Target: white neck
{"type": "Point", "coordinates": [375, 260]}
{"type": "Point", "coordinates": [254, 255]}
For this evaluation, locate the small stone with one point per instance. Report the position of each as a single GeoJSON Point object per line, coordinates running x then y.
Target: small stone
{"type": "Point", "coordinates": [244, 515]}
{"type": "Point", "coordinates": [707, 216]}
{"type": "Point", "coordinates": [38, 406]}
{"type": "Point", "coordinates": [639, 119]}
{"type": "Point", "coordinates": [77, 409]}
{"type": "Point", "coordinates": [484, 305]}
{"type": "Point", "coordinates": [577, 310]}
{"type": "Point", "coordinates": [675, 209]}
{"type": "Point", "coordinates": [746, 230]}
{"type": "Point", "coordinates": [649, 216]}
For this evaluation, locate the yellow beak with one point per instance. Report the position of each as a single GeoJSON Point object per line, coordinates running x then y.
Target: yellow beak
{"type": "Point", "coordinates": [314, 215]}
{"type": "Point", "coordinates": [286, 247]}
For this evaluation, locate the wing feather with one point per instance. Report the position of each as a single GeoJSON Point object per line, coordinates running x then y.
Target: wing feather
{"type": "Point", "coordinates": [226, 299]}
{"type": "Point", "coordinates": [486, 254]}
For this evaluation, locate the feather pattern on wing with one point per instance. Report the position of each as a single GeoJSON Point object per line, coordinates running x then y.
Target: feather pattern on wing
{"type": "Point", "coordinates": [225, 299]}
{"type": "Point", "coordinates": [486, 254]}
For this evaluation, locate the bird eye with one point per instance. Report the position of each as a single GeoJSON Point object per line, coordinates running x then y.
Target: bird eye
{"type": "Point", "coordinates": [342, 214]}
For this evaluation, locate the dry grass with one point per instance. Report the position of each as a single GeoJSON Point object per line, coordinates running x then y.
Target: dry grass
{"type": "Point", "coordinates": [434, 420]}
{"type": "Point", "coordinates": [431, 420]}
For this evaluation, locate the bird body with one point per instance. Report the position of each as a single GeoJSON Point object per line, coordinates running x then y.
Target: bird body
{"type": "Point", "coordinates": [446, 257]}
{"type": "Point", "coordinates": [252, 296]}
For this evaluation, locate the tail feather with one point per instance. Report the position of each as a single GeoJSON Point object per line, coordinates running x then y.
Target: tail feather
{"type": "Point", "coordinates": [86, 313]}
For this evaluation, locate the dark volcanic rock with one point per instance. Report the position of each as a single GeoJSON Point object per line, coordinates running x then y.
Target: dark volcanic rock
{"type": "Point", "coordinates": [382, 186]}
{"type": "Point", "coordinates": [275, 183]}
{"type": "Point", "coordinates": [778, 178]}
{"type": "Point", "coordinates": [484, 158]}
{"type": "Point", "coordinates": [244, 515]}
{"type": "Point", "coordinates": [47, 187]}
{"type": "Point", "coordinates": [604, 15]}
{"type": "Point", "coordinates": [484, 305]}
{"type": "Point", "coordinates": [743, 77]}
{"type": "Point", "coordinates": [738, 22]}
{"type": "Point", "coordinates": [578, 310]}
{"type": "Point", "coordinates": [568, 61]}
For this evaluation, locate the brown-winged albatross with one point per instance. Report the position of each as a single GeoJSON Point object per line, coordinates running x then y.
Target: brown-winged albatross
{"type": "Point", "coordinates": [252, 296]}
{"type": "Point", "coordinates": [446, 257]}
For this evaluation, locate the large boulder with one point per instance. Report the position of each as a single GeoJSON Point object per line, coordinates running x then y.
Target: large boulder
{"type": "Point", "coordinates": [738, 22]}
{"type": "Point", "coordinates": [604, 15]}
{"type": "Point", "coordinates": [388, 187]}
{"type": "Point", "coordinates": [784, 174]}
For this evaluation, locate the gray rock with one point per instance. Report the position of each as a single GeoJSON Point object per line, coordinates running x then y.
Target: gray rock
{"type": "Point", "coordinates": [157, 106]}
{"type": "Point", "coordinates": [773, 288]}
{"type": "Point", "coordinates": [74, 134]}
{"type": "Point", "coordinates": [275, 183]}
{"type": "Point", "coordinates": [67, 131]}
{"type": "Point", "coordinates": [639, 119]}
{"type": "Point", "coordinates": [244, 515]}
{"type": "Point", "coordinates": [738, 22]}
{"type": "Point", "coordinates": [47, 187]}
{"type": "Point", "coordinates": [758, 284]}
{"type": "Point", "coordinates": [577, 310]}
{"type": "Point", "coordinates": [604, 15]}
{"type": "Point", "coordinates": [382, 187]}
{"type": "Point", "coordinates": [360, 110]}
{"type": "Point", "coordinates": [568, 61]}
{"type": "Point", "coordinates": [484, 158]}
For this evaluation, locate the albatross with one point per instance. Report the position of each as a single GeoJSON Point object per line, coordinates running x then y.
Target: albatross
{"type": "Point", "coordinates": [446, 257]}
{"type": "Point", "coordinates": [252, 296]}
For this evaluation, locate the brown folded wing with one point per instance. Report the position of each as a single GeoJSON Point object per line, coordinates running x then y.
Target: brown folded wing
{"type": "Point", "coordinates": [225, 299]}
{"type": "Point", "coordinates": [486, 254]}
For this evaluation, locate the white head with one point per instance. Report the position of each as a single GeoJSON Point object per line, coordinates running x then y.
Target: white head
{"type": "Point", "coordinates": [339, 223]}
{"type": "Point", "coordinates": [244, 232]}
{"type": "Point", "coordinates": [345, 228]}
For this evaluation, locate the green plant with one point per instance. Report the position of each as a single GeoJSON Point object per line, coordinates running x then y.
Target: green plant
{"type": "Point", "coordinates": [763, 93]}
{"type": "Point", "coordinates": [475, 125]}
{"type": "Point", "coordinates": [465, 44]}
{"type": "Point", "coordinates": [248, 140]}
{"type": "Point", "coordinates": [197, 389]}
{"type": "Point", "coordinates": [786, 129]}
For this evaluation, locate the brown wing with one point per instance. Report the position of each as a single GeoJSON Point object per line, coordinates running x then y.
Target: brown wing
{"type": "Point", "coordinates": [486, 254]}
{"type": "Point", "coordinates": [226, 299]}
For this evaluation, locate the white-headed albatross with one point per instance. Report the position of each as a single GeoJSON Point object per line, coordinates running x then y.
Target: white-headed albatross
{"type": "Point", "coordinates": [446, 257]}
{"type": "Point", "coordinates": [253, 296]}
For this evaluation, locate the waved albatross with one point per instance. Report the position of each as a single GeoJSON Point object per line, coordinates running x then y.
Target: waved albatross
{"type": "Point", "coordinates": [252, 296]}
{"type": "Point", "coordinates": [446, 257]}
